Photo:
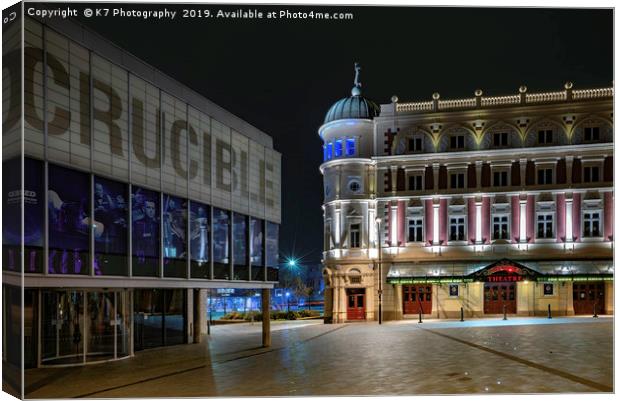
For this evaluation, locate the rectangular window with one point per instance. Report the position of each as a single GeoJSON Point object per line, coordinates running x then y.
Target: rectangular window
{"type": "Point", "coordinates": [591, 134]}
{"type": "Point", "coordinates": [350, 145]}
{"type": "Point", "coordinates": [271, 250]}
{"type": "Point", "coordinates": [591, 174]}
{"type": "Point", "coordinates": [175, 227]}
{"type": "Point", "coordinates": [545, 137]}
{"type": "Point", "coordinates": [328, 151]}
{"type": "Point", "coordinates": [256, 249]}
{"type": "Point", "coordinates": [500, 139]}
{"type": "Point", "coordinates": [545, 226]}
{"type": "Point", "coordinates": [199, 240]}
{"type": "Point", "coordinates": [500, 178]}
{"type": "Point", "coordinates": [240, 247]}
{"type": "Point", "coordinates": [500, 227]}
{"type": "Point", "coordinates": [338, 148]}
{"type": "Point", "coordinates": [457, 180]}
{"type": "Point", "coordinates": [591, 224]}
{"type": "Point", "coordinates": [354, 235]}
{"type": "Point", "coordinates": [415, 230]}
{"type": "Point", "coordinates": [415, 183]}
{"type": "Point", "coordinates": [221, 244]}
{"type": "Point", "coordinates": [69, 208]}
{"type": "Point", "coordinates": [457, 228]}
{"type": "Point", "coordinates": [324, 153]}
{"type": "Point", "coordinates": [145, 220]}
{"type": "Point", "coordinates": [545, 176]}
{"type": "Point", "coordinates": [415, 144]}
{"type": "Point", "coordinates": [457, 142]}
{"type": "Point", "coordinates": [111, 217]}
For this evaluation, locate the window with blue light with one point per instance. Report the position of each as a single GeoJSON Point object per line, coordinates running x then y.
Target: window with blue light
{"type": "Point", "coordinates": [338, 148]}
{"type": "Point", "coordinates": [324, 152]}
{"type": "Point", "coordinates": [350, 147]}
{"type": "Point", "coordinates": [328, 151]}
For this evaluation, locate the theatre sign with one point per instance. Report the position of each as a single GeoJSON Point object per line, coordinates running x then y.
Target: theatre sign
{"type": "Point", "coordinates": [104, 118]}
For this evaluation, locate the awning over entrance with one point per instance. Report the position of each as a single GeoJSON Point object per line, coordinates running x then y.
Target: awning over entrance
{"type": "Point", "coordinates": [505, 269]}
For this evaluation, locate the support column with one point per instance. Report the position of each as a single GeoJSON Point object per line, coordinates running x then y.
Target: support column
{"type": "Point", "coordinates": [478, 221]}
{"type": "Point", "coordinates": [436, 222]}
{"type": "Point", "coordinates": [200, 314]}
{"type": "Point", "coordinates": [394, 223]}
{"type": "Point", "coordinates": [436, 177]}
{"type": "Point", "coordinates": [569, 171]}
{"type": "Point", "coordinates": [393, 176]}
{"type": "Point", "coordinates": [478, 176]}
{"type": "Point", "coordinates": [265, 298]}
{"type": "Point", "coordinates": [522, 167]}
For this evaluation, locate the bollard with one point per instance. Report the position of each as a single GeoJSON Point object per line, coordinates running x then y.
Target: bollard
{"type": "Point", "coordinates": [595, 314]}
{"type": "Point", "coordinates": [420, 316]}
{"type": "Point", "coordinates": [462, 320]}
{"type": "Point", "coordinates": [505, 313]}
{"type": "Point", "coordinates": [209, 327]}
{"type": "Point", "coordinates": [548, 311]}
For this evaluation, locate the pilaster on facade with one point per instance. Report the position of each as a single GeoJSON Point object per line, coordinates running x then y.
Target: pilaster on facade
{"type": "Point", "coordinates": [436, 177]}
{"type": "Point", "coordinates": [522, 172]}
{"type": "Point", "coordinates": [478, 174]}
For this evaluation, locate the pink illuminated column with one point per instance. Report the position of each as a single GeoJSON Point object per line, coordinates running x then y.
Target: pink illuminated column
{"type": "Point", "coordinates": [530, 211]}
{"type": "Point", "coordinates": [560, 213]}
{"type": "Point", "coordinates": [428, 221]}
{"type": "Point", "coordinates": [402, 223]}
{"type": "Point", "coordinates": [486, 220]}
{"type": "Point", "coordinates": [514, 222]}
{"type": "Point", "coordinates": [443, 221]}
{"type": "Point", "coordinates": [471, 220]}
{"type": "Point", "coordinates": [608, 211]}
{"type": "Point", "coordinates": [577, 216]}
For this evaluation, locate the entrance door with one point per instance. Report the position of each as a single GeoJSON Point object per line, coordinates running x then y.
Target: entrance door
{"type": "Point", "coordinates": [417, 297]}
{"type": "Point", "coordinates": [586, 296]}
{"type": "Point", "coordinates": [496, 295]}
{"type": "Point", "coordinates": [356, 304]}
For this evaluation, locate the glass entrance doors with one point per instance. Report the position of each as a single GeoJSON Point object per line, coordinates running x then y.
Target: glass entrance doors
{"type": "Point", "coordinates": [160, 317]}
{"type": "Point", "coordinates": [81, 326]}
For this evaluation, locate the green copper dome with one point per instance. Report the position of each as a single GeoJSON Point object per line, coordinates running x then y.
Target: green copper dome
{"type": "Point", "coordinates": [354, 106]}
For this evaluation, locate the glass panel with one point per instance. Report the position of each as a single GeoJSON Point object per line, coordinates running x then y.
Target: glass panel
{"type": "Point", "coordinates": [351, 301]}
{"type": "Point", "coordinates": [199, 237]}
{"type": "Point", "coordinates": [256, 248]}
{"type": "Point", "coordinates": [272, 249]}
{"type": "Point", "coordinates": [69, 208]}
{"type": "Point", "coordinates": [63, 327]}
{"type": "Point", "coordinates": [110, 227]}
{"type": "Point", "coordinates": [148, 319]}
{"type": "Point", "coordinates": [221, 248]}
{"type": "Point", "coordinates": [123, 323]}
{"type": "Point", "coordinates": [360, 301]}
{"type": "Point", "coordinates": [240, 239]}
{"type": "Point", "coordinates": [175, 229]}
{"type": "Point", "coordinates": [174, 316]}
{"type": "Point", "coordinates": [100, 326]}
{"type": "Point", "coordinates": [145, 232]}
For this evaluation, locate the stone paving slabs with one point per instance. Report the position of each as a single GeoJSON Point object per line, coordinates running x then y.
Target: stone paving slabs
{"type": "Point", "coordinates": [307, 358]}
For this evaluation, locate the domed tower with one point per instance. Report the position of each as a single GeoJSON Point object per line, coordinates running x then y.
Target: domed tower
{"type": "Point", "coordinates": [349, 207]}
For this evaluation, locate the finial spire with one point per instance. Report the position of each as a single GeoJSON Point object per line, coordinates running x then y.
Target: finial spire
{"type": "Point", "coordinates": [357, 85]}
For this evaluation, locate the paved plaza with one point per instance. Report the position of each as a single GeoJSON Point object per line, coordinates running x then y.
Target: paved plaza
{"type": "Point", "coordinates": [520, 355]}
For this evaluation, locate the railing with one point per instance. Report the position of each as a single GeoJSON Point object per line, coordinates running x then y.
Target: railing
{"type": "Point", "coordinates": [492, 101]}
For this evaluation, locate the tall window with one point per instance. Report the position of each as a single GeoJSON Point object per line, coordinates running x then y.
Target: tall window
{"type": "Point", "coordinates": [500, 227]}
{"type": "Point", "coordinates": [545, 226]}
{"type": "Point", "coordinates": [545, 137]}
{"type": "Point", "coordinates": [500, 178]}
{"type": "Point", "coordinates": [415, 230]}
{"type": "Point", "coordinates": [591, 224]}
{"type": "Point", "coordinates": [500, 139]}
{"type": "Point", "coordinates": [457, 180]}
{"type": "Point", "coordinates": [354, 235]}
{"type": "Point", "coordinates": [457, 228]}
{"type": "Point", "coordinates": [338, 148]}
{"type": "Point", "coordinates": [415, 144]}
{"type": "Point", "coordinates": [415, 182]}
{"type": "Point", "coordinates": [457, 142]}
{"type": "Point", "coordinates": [591, 174]}
{"type": "Point", "coordinates": [328, 151]}
{"type": "Point", "coordinates": [591, 134]}
{"type": "Point", "coordinates": [545, 176]}
{"type": "Point", "coordinates": [350, 147]}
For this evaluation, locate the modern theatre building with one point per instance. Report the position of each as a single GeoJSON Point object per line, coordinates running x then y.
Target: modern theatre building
{"type": "Point", "coordinates": [138, 194]}
{"type": "Point", "coordinates": [489, 203]}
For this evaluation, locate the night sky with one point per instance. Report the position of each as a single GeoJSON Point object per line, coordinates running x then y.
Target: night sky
{"type": "Point", "coordinates": [283, 75]}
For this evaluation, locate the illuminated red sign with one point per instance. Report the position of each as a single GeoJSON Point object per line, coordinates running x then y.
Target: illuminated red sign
{"type": "Point", "coordinates": [505, 268]}
{"type": "Point", "coordinates": [504, 278]}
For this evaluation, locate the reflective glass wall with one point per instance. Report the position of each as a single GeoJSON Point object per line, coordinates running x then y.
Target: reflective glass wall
{"type": "Point", "coordinates": [129, 230]}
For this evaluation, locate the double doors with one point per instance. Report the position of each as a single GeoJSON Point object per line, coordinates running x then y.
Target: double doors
{"type": "Point", "coordinates": [498, 295]}
{"type": "Point", "coordinates": [356, 303]}
{"type": "Point", "coordinates": [417, 298]}
{"type": "Point", "coordinates": [587, 296]}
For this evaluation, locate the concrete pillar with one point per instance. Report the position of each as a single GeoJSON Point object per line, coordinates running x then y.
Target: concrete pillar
{"type": "Point", "coordinates": [568, 210]}
{"type": "Point", "coordinates": [525, 298]}
{"type": "Point", "coordinates": [570, 310]}
{"type": "Point", "coordinates": [522, 168]}
{"type": "Point", "coordinates": [523, 220]}
{"type": "Point", "coordinates": [473, 301]}
{"type": "Point", "coordinates": [191, 324]}
{"type": "Point", "coordinates": [200, 314]}
{"type": "Point", "coordinates": [329, 305]}
{"type": "Point", "coordinates": [265, 299]}
{"type": "Point", "coordinates": [478, 174]}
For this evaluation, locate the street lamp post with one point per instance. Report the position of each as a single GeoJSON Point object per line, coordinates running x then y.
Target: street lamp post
{"type": "Point", "coordinates": [380, 260]}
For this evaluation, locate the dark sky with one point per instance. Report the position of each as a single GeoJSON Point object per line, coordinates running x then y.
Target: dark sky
{"type": "Point", "coordinates": [283, 75]}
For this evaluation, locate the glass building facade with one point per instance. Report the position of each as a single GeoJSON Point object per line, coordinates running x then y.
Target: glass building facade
{"type": "Point", "coordinates": [137, 194]}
